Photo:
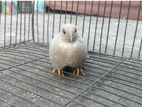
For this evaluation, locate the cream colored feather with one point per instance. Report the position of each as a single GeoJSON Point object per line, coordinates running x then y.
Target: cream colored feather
{"type": "Point", "coordinates": [67, 48]}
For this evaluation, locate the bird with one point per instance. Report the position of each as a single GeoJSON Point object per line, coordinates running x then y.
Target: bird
{"type": "Point", "coordinates": [67, 49]}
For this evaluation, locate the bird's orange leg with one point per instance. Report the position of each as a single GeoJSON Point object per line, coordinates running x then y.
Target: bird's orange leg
{"type": "Point", "coordinates": [58, 71]}
{"type": "Point", "coordinates": [78, 70]}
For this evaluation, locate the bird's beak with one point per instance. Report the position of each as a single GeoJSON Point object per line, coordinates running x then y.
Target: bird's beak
{"type": "Point", "coordinates": [71, 37]}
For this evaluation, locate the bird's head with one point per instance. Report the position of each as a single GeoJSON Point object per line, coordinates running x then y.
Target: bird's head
{"type": "Point", "coordinates": [69, 32]}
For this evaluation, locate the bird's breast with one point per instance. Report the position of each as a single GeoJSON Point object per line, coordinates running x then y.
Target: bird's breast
{"type": "Point", "coordinates": [72, 52]}
{"type": "Point", "coordinates": [70, 47]}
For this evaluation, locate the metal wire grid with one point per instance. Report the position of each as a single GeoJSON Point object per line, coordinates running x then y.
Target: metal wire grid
{"type": "Point", "coordinates": [26, 81]}
{"type": "Point", "coordinates": [25, 72]}
{"type": "Point", "coordinates": [96, 30]}
{"type": "Point", "coordinates": [14, 27]}
{"type": "Point", "coordinates": [103, 34]}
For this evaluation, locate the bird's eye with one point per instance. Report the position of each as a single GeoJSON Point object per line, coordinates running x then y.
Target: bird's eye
{"type": "Point", "coordinates": [75, 30]}
{"type": "Point", "coordinates": [64, 31]}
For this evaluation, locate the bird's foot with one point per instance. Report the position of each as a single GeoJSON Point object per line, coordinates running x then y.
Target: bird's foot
{"type": "Point", "coordinates": [78, 71]}
{"type": "Point", "coordinates": [58, 72]}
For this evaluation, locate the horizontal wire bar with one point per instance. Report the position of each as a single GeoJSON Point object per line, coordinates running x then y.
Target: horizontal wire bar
{"type": "Point", "coordinates": [18, 96]}
{"type": "Point", "coordinates": [41, 81]}
{"type": "Point", "coordinates": [26, 51]}
{"type": "Point", "coordinates": [104, 61]}
{"type": "Point", "coordinates": [11, 56]}
{"type": "Point", "coordinates": [68, 74]}
{"type": "Point", "coordinates": [106, 98]}
{"type": "Point", "coordinates": [129, 71]}
{"type": "Point", "coordinates": [33, 84]}
{"type": "Point", "coordinates": [14, 62]}
{"type": "Point", "coordinates": [79, 104]}
{"type": "Point", "coordinates": [111, 61]}
{"type": "Point", "coordinates": [116, 56]}
{"type": "Point", "coordinates": [65, 77]}
{"type": "Point", "coordinates": [101, 55]}
{"type": "Point", "coordinates": [115, 81]}
{"type": "Point", "coordinates": [21, 64]}
{"type": "Point", "coordinates": [121, 70]}
{"type": "Point", "coordinates": [50, 78]}
{"type": "Point", "coordinates": [120, 74]}
{"type": "Point", "coordinates": [35, 51]}
{"type": "Point", "coordinates": [130, 64]}
{"type": "Point", "coordinates": [117, 72]}
{"type": "Point", "coordinates": [6, 61]}
{"type": "Point", "coordinates": [120, 89]}
{"type": "Point", "coordinates": [91, 61]}
{"type": "Point", "coordinates": [35, 47]}
{"type": "Point", "coordinates": [29, 91]}
{"type": "Point", "coordinates": [94, 101]}
{"type": "Point", "coordinates": [127, 76]}
{"type": "Point", "coordinates": [94, 82]}
{"type": "Point", "coordinates": [111, 92]}
{"type": "Point", "coordinates": [125, 80]}
{"type": "Point", "coordinates": [13, 45]}
{"type": "Point", "coordinates": [114, 78]}
{"type": "Point", "coordinates": [22, 52]}
{"type": "Point", "coordinates": [100, 64]}
{"type": "Point", "coordinates": [19, 54]}
{"type": "Point", "coordinates": [30, 45]}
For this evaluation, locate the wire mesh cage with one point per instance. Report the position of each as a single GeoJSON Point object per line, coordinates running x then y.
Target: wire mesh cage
{"type": "Point", "coordinates": [112, 31]}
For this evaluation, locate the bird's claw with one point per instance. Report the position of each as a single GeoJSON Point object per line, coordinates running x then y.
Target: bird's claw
{"type": "Point", "coordinates": [78, 71]}
{"type": "Point", "coordinates": [58, 72]}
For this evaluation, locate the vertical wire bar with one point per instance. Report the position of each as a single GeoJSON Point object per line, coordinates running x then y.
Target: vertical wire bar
{"type": "Point", "coordinates": [25, 20]}
{"type": "Point", "coordinates": [124, 40]}
{"type": "Point", "coordinates": [20, 21]}
{"type": "Point", "coordinates": [37, 21]}
{"type": "Point", "coordinates": [66, 12]}
{"type": "Point", "coordinates": [117, 29]}
{"type": "Point", "coordinates": [43, 22]}
{"type": "Point", "coordinates": [33, 30]}
{"type": "Point", "coordinates": [29, 28]}
{"type": "Point", "coordinates": [0, 11]}
{"type": "Point", "coordinates": [137, 24]}
{"type": "Point", "coordinates": [17, 14]}
{"type": "Point", "coordinates": [139, 54]}
{"type": "Point", "coordinates": [96, 25]}
{"type": "Point", "coordinates": [0, 14]}
{"type": "Point", "coordinates": [60, 15]}
{"type": "Point", "coordinates": [84, 18]}
{"type": "Point", "coordinates": [11, 23]}
{"type": "Point", "coordinates": [90, 20]}
{"type": "Point", "coordinates": [72, 2]}
{"type": "Point", "coordinates": [102, 27]}
{"type": "Point", "coordinates": [77, 13]}
{"type": "Point", "coordinates": [5, 24]}
{"type": "Point", "coordinates": [48, 24]}
{"type": "Point", "coordinates": [29, 24]}
{"type": "Point", "coordinates": [108, 26]}
{"type": "Point", "coordinates": [53, 19]}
